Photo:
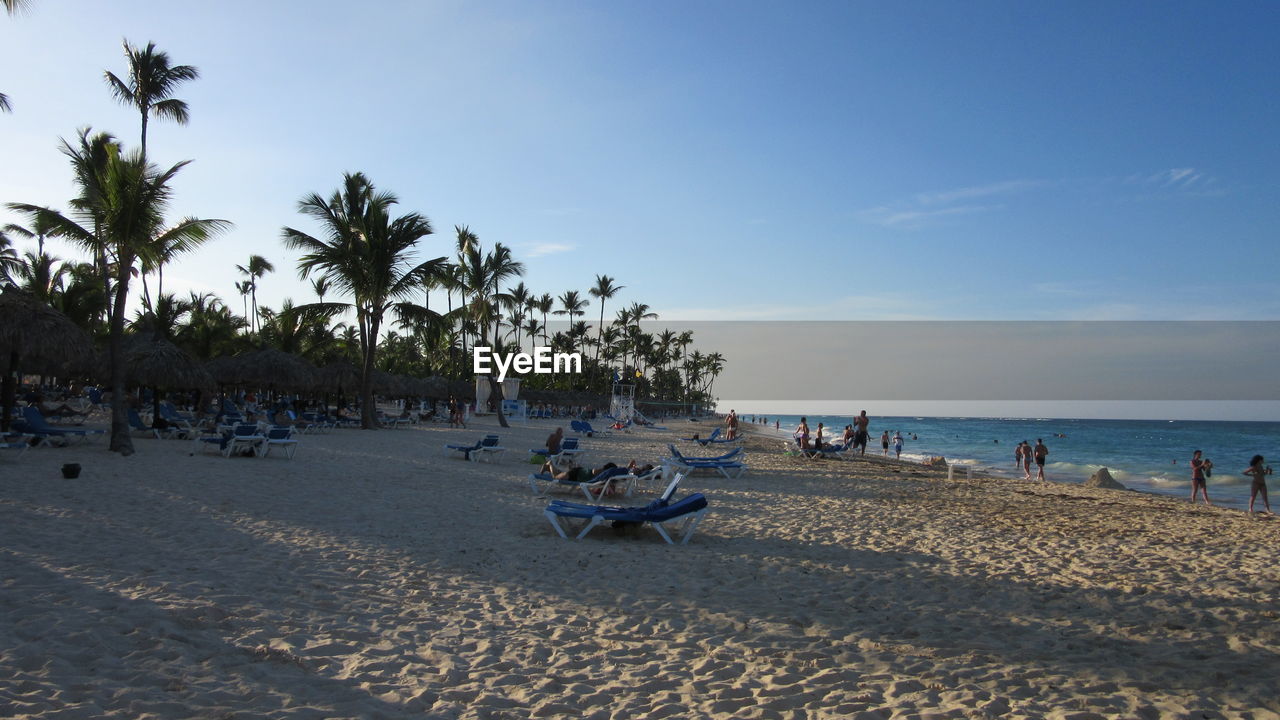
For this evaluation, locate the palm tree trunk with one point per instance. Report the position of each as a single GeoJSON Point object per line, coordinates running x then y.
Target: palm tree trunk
{"type": "Point", "coordinates": [8, 390]}
{"type": "Point", "coordinates": [121, 442]}
{"type": "Point", "coordinates": [368, 339]}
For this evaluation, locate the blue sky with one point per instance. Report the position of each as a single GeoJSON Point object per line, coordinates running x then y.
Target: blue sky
{"type": "Point", "coordinates": [722, 160]}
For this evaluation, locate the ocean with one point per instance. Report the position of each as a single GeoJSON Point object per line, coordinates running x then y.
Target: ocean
{"type": "Point", "coordinates": [1145, 455]}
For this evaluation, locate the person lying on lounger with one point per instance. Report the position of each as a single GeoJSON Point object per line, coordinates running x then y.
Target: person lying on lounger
{"type": "Point", "coordinates": [62, 411]}
{"type": "Point", "coordinates": [575, 473]}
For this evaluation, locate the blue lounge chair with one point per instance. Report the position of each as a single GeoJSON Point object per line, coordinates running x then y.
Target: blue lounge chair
{"type": "Point", "coordinates": [734, 454]}
{"type": "Point", "coordinates": [33, 422]}
{"type": "Point", "coordinates": [281, 437]}
{"type": "Point", "coordinates": [727, 467]}
{"type": "Point", "coordinates": [706, 440]}
{"type": "Point", "coordinates": [687, 511]}
{"type": "Point", "coordinates": [245, 436]}
{"type": "Point", "coordinates": [484, 447]}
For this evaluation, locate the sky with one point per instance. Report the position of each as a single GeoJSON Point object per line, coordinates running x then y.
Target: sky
{"type": "Point", "coordinates": [721, 160]}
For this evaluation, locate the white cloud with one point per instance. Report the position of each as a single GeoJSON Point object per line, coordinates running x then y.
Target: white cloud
{"type": "Point", "coordinates": [924, 208]}
{"type": "Point", "coordinates": [548, 249]}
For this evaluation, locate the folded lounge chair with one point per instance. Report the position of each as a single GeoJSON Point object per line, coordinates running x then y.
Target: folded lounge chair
{"type": "Point", "coordinates": [687, 512]}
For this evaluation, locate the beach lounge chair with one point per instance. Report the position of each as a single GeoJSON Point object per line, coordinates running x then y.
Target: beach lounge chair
{"type": "Point", "coordinates": [604, 482]}
{"type": "Point", "coordinates": [584, 427]}
{"type": "Point", "coordinates": [281, 437]}
{"type": "Point", "coordinates": [687, 512]}
{"type": "Point", "coordinates": [706, 440]}
{"type": "Point", "coordinates": [735, 454]}
{"type": "Point", "coordinates": [17, 443]}
{"type": "Point", "coordinates": [245, 436]}
{"type": "Point", "coordinates": [486, 446]}
{"type": "Point", "coordinates": [136, 425]}
{"type": "Point", "coordinates": [490, 450]}
{"type": "Point", "coordinates": [34, 423]}
{"type": "Point", "coordinates": [726, 467]}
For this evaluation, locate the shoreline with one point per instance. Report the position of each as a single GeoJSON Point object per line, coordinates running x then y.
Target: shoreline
{"type": "Point", "coordinates": [1229, 491]}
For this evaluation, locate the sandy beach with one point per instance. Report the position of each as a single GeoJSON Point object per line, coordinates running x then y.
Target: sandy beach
{"type": "Point", "coordinates": [373, 577]}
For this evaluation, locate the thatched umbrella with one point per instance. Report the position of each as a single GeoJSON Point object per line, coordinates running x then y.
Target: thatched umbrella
{"type": "Point", "coordinates": [339, 376]}
{"type": "Point", "coordinates": [274, 369]}
{"type": "Point", "coordinates": [30, 329]}
{"type": "Point", "coordinates": [163, 365]}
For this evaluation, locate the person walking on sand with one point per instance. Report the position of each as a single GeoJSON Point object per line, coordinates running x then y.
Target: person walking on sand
{"type": "Point", "coordinates": [862, 422]}
{"type": "Point", "coordinates": [1040, 452]}
{"type": "Point", "coordinates": [1259, 471]}
{"type": "Point", "coordinates": [1201, 469]}
{"type": "Point", "coordinates": [731, 425]}
{"type": "Point", "coordinates": [1026, 460]}
{"type": "Point", "coordinates": [897, 444]}
{"type": "Point", "coordinates": [884, 443]}
{"type": "Point", "coordinates": [1017, 455]}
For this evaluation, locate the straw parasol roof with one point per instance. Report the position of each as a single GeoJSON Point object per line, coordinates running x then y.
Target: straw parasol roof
{"type": "Point", "coordinates": [37, 332]}
{"type": "Point", "coordinates": [269, 368]}
{"type": "Point", "coordinates": [339, 376]}
{"type": "Point", "coordinates": [160, 363]}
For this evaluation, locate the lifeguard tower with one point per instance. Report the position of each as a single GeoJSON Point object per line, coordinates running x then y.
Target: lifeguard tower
{"type": "Point", "coordinates": [622, 403]}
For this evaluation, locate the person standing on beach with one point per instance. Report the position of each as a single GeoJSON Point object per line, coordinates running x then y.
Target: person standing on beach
{"type": "Point", "coordinates": [1259, 471]}
{"type": "Point", "coordinates": [731, 425]}
{"type": "Point", "coordinates": [1017, 455]}
{"type": "Point", "coordinates": [1040, 452]}
{"type": "Point", "coordinates": [884, 443]}
{"type": "Point", "coordinates": [897, 444]}
{"type": "Point", "coordinates": [862, 422]}
{"type": "Point", "coordinates": [802, 434]}
{"type": "Point", "coordinates": [1201, 469]}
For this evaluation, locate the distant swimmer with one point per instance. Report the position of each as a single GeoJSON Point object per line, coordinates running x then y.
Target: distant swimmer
{"type": "Point", "coordinates": [1041, 453]}
{"type": "Point", "coordinates": [1259, 471]}
{"type": "Point", "coordinates": [1200, 470]}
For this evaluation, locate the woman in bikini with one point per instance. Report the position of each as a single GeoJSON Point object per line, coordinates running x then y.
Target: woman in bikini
{"type": "Point", "coordinates": [1259, 471]}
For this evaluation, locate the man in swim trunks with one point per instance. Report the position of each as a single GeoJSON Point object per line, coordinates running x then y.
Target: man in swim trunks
{"type": "Point", "coordinates": [862, 422]}
{"type": "Point", "coordinates": [1040, 452]}
{"type": "Point", "coordinates": [1198, 482]}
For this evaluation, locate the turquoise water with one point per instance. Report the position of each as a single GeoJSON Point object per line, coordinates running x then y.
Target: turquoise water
{"type": "Point", "coordinates": [1147, 455]}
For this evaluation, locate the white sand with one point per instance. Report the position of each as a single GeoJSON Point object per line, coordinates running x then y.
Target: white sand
{"type": "Point", "coordinates": [372, 577]}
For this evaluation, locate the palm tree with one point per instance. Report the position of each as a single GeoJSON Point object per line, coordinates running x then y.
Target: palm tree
{"type": "Point", "coordinates": [151, 82]}
{"type": "Point", "coordinates": [9, 261]}
{"type": "Point", "coordinates": [126, 207]}
{"type": "Point", "coordinates": [605, 290]}
{"type": "Point", "coordinates": [544, 303]}
{"type": "Point", "coordinates": [12, 7]}
{"type": "Point", "coordinates": [256, 268]}
{"type": "Point", "coordinates": [571, 304]}
{"type": "Point", "coordinates": [38, 231]}
{"type": "Point", "coordinates": [365, 254]}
